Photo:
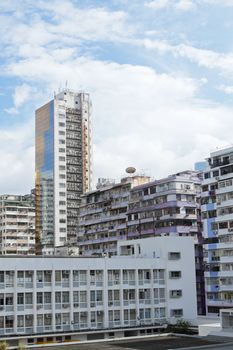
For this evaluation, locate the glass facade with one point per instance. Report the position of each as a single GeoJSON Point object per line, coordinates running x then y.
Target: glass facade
{"type": "Point", "coordinates": [45, 176]}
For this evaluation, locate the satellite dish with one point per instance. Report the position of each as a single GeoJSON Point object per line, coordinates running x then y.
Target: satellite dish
{"type": "Point", "coordinates": [130, 170]}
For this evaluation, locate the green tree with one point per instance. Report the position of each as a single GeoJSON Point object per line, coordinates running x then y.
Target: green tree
{"type": "Point", "coordinates": [3, 345]}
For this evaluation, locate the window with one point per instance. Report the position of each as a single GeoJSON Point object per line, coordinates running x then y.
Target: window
{"type": "Point", "coordinates": [174, 255]}
{"type": "Point", "coordinates": [20, 298]}
{"type": "Point", "coordinates": [177, 313]}
{"type": "Point", "coordinates": [65, 297]}
{"type": "Point", "coordinates": [62, 159]}
{"type": "Point", "coordinates": [62, 142]}
{"type": "Point", "coordinates": [62, 167]}
{"type": "Point", "coordinates": [177, 293]}
{"type": "Point", "coordinates": [62, 132]}
{"type": "Point", "coordinates": [62, 150]}
{"type": "Point", "coordinates": [175, 274]}
{"type": "Point", "coordinates": [28, 298]}
{"type": "Point", "coordinates": [47, 298]}
{"type": "Point", "coordinates": [207, 175]}
{"type": "Point", "coordinates": [39, 298]}
{"type": "Point", "coordinates": [62, 124]}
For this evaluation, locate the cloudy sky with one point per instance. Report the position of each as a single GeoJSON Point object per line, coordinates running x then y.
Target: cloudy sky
{"type": "Point", "coordinates": [160, 74]}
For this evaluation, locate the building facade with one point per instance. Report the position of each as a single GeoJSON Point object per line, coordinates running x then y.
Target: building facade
{"type": "Point", "coordinates": [102, 216]}
{"type": "Point", "coordinates": [17, 225]}
{"type": "Point", "coordinates": [217, 217]}
{"type": "Point", "coordinates": [57, 295]}
{"type": "Point", "coordinates": [63, 167]}
{"type": "Point", "coordinates": [169, 206]}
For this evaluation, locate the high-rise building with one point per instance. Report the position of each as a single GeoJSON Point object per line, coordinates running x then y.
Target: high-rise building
{"type": "Point", "coordinates": [217, 216]}
{"type": "Point", "coordinates": [63, 167]}
{"type": "Point", "coordinates": [129, 210]}
{"type": "Point", "coordinates": [17, 225]}
{"type": "Point", "coordinates": [102, 216]}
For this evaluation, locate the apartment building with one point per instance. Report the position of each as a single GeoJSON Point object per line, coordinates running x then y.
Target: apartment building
{"type": "Point", "coordinates": [217, 217]}
{"type": "Point", "coordinates": [170, 207]}
{"type": "Point", "coordinates": [63, 167]}
{"type": "Point", "coordinates": [54, 298]}
{"type": "Point", "coordinates": [102, 216]}
{"type": "Point", "coordinates": [17, 224]}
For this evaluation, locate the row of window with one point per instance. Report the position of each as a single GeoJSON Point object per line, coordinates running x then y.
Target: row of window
{"type": "Point", "coordinates": [95, 275]}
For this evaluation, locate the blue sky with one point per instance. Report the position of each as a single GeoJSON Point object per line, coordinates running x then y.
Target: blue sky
{"type": "Point", "coordinates": [160, 74]}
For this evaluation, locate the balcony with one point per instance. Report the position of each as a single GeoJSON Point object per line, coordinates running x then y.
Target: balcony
{"type": "Point", "coordinates": [129, 282]}
{"type": "Point", "coordinates": [144, 301]}
{"type": "Point", "coordinates": [129, 302]}
{"type": "Point", "coordinates": [114, 303]}
{"type": "Point", "coordinates": [114, 324]}
{"type": "Point", "coordinates": [97, 325]}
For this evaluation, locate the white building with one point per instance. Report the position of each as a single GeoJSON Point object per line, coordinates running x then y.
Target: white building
{"type": "Point", "coordinates": [63, 167]}
{"type": "Point", "coordinates": [217, 216]}
{"type": "Point", "coordinates": [149, 282]}
{"type": "Point", "coordinates": [17, 224]}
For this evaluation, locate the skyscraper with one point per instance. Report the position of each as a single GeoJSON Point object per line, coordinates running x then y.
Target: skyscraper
{"type": "Point", "coordinates": [63, 167]}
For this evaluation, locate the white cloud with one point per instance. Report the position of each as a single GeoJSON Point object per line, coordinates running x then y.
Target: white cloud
{"type": "Point", "coordinates": [227, 89]}
{"type": "Point", "coordinates": [21, 95]}
{"type": "Point", "coordinates": [158, 4]}
{"type": "Point", "coordinates": [219, 2]}
{"type": "Point", "coordinates": [70, 26]}
{"type": "Point", "coordinates": [143, 118]}
{"type": "Point", "coordinates": [206, 58]}
{"type": "Point", "coordinates": [183, 5]}
{"type": "Point", "coordinates": [140, 117]}
{"type": "Point", "coordinates": [17, 158]}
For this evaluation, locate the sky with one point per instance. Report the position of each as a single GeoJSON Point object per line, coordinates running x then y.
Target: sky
{"type": "Point", "coordinates": [159, 72]}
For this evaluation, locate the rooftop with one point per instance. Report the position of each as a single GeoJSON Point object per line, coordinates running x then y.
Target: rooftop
{"type": "Point", "coordinates": [150, 343]}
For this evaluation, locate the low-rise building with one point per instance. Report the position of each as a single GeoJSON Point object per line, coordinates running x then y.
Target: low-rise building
{"type": "Point", "coordinates": [17, 224]}
{"type": "Point", "coordinates": [150, 282]}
